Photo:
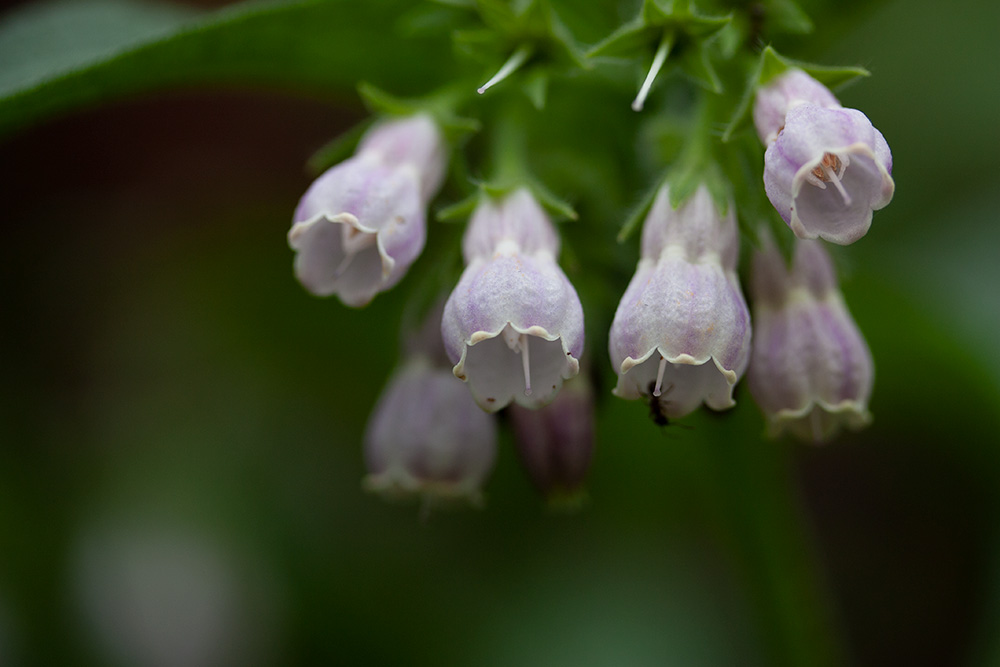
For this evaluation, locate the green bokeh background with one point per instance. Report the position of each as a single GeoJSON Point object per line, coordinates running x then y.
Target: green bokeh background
{"type": "Point", "coordinates": [168, 384]}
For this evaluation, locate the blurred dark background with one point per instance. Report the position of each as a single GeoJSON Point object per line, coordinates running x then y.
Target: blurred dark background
{"type": "Point", "coordinates": [180, 430]}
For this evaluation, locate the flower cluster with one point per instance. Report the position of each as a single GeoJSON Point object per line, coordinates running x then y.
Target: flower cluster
{"type": "Point", "coordinates": [512, 328]}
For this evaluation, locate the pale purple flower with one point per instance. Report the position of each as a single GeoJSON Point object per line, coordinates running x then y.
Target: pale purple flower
{"type": "Point", "coordinates": [681, 334]}
{"type": "Point", "coordinates": [826, 168]}
{"type": "Point", "coordinates": [513, 326]}
{"type": "Point", "coordinates": [361, 224]}
{"type": "Point", "coordinates": [426, 437]}
{"type": "Point", "coordinates": [555, 443]}
{"type": "Point", "coordinates": [810, 371]}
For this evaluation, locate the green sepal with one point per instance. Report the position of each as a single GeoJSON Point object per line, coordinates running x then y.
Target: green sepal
{"type": "Point", "coordinates": [678, 25]}
{"type": "Point", "coordinates": [697, 65]}
{"type": "Point", "coordinates": [770, 65]}
{"type": "Point", "coordinates": [786, 16]}
{"type": "Point", "coordinates": [440, 105]}
{"type": "Point", "coordinates": [536, 87]}
{"type": "Point", "coordinates": [507, 28]}
{"type": "Point", "coordinates": [559, 208]}
{"type": "Point", "coordinates": [637, 214]}
{"type": "Point", "coordinates": [683, 184]}
{"type": "Point", "coordinates": [460, 210]}
{"type": "Point", "coordinates": [654, 23]}
{"type": "Point", "coordinates": [337, 149]}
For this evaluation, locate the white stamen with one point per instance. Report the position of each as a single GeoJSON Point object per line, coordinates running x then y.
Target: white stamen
{"type": "Point", "coordinates": [524, 362]}
{"type": "Point", "coordinates": [845, 161]}
{"type": "Point", "coordinates": [647, 84]}
{"type": "Point", "coordinates": [833, 176]}
{"type": "Point", "coordinates": [659, 376]}
{"type": "Point", "coordinates": [813, 179]}
{"type": "Point", "coordinates": [515, 61]}
{"type": "Point", "coordinates": [344, 263]}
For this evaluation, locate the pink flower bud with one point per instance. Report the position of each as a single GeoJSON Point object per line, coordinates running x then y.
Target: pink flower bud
{"type": "Point", "coordinates": [361, 224]}
{"type": "Point", "coordinates": [513, 326]}
{"type": "Point", "coordinates": [682, 330]}
{"type": "Point", "coordinates": [810, 371]}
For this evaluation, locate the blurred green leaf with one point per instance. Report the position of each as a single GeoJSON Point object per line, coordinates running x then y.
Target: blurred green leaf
{"type": "Point", "coordinates": [49, 64]}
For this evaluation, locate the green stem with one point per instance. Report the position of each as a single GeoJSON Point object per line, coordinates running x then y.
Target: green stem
{"type": "Point", "coordinates": [509, 147]}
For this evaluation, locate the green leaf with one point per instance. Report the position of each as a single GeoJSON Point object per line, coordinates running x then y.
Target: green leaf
{"type": "Point", "coordinates": [322, 48]}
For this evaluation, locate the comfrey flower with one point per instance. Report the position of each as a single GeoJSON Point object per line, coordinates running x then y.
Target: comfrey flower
{"type": "Point", "coordinates": [556, 443]}
{"type": "Point", "coordinates": [427, 437]}
{"type": "Point", "coordinates": [361, 225]}
{"type": "Point", "coordinates": [513, 326]}
{"type": "Point", "coordinates": [681, 333]}
{"type": "Point", "coordinates": [810, 371]}
{"type": "Point", "coordinates": [826, 168]}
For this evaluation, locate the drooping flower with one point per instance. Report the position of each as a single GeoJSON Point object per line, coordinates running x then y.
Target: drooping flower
{"type": "Point", "coordinates": [811, 371]}
{"type": "Point", "coordinates": [426, 437]}
{"type": "Point", "coordinates": [681, 333]}
{"type": "Point", "coordinates": [826, 168]}
{"type": "Point", "coordinates": [513, 326]}
{"type": "Point", "coordinates": [361, 224]}
{"type": "Point", "coordinates": [555, 443]}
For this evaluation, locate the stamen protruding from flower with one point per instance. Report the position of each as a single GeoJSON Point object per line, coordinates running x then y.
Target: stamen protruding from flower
{"type": "Point", "coordinates": [831, 170]}
{"type": "Point", "coordinates": [525, 363]}
{"type": "Point", "coordinates": [833, 176]}
{"type": "Point", "coordinates": [654, 69]}
{"type": "Point", "coordinates": [518, 58]}
{"type": "Point", "coordinates": [659, 376]}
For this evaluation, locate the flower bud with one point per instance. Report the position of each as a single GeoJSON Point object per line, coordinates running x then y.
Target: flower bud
{"type": "Point", "coordinates": [513, 326]}
{"type": "Point", "coordinates": [556, 443]}
{"type": "Point", "coordinates": [773, 101]}
{"type": "Point", "coordinates": [427, 437]}
{"type": "Point", "coordinates": [681, 333]}
{"type": "Point", "coordinates": [361, 224]}
{"type": "Point", "coordinates": [810, 371]}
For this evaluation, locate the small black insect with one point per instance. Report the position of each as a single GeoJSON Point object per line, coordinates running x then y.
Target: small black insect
{"type": "Point", "coordinates": [658, 404]}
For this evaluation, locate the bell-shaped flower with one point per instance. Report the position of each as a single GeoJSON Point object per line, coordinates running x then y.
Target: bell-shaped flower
{"type": "Point", "coordinates": [826, 168]}
{"type": "Point", "coordinates": [556, 443]}
{"type": "Point", "coordinates": [681, 334]}
{"type": "Point", "coordinates": [426, 437]}
{"type": "Point", "coordinates": [513, 326]}
{"type": "Point", "coordinates": [361, 224]}
{"type": "Point", "coordinates": [773, 101]}
{"type": "Point", "coordinates": [810, 370]}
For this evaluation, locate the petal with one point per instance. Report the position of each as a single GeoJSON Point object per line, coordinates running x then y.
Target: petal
{"type": "Point", "coordinates": [415, 141]}
{"type": "Point", "coordinates": [516, 219]}
{"type": "Point", "coordinates": [774, 100]}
